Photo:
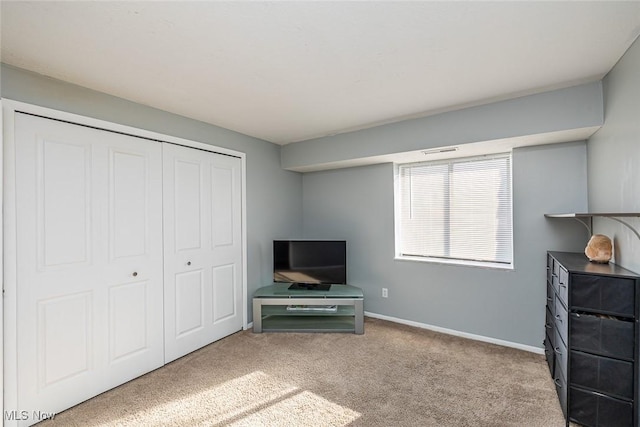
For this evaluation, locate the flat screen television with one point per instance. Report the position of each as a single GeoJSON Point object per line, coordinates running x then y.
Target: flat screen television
{"type": "Point", "coordinates": [310, 264]}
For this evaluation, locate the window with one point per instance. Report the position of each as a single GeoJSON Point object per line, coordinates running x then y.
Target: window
{"type": "Point", "coordinates": [457, 210]}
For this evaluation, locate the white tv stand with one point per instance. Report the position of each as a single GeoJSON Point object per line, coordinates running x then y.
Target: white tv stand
{"type": "Point", "coordinates": [270, 313]}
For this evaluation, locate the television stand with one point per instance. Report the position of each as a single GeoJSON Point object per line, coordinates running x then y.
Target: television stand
{"type": "Point", "coordinates": [309, 287]}
{"type": "Point", "coordinates": [276, 308]}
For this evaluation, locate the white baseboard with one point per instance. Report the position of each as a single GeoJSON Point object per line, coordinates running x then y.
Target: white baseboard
{"type": "Point", "coordinates": [457, 333]}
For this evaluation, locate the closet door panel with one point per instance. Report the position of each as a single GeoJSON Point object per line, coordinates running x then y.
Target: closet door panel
{"type": "Point", "coordinates": [189, 302]}
{"type": "Point", "coordinates": [186, 278]}
{"type": "Point", "coordinates": [128, 318]}
{"type": "Point", "coordinates": [200, 222]}
{"type": "Point", "coordinates": [82, 198]}
{"type": "Point", "coordinates": [133, 271]}
{"type": "Point", "coordinates": [226, 190]}
{"type": "Point", "coordinates": [188, 204]}
{"type": "Point", "coordinates": [222, 188]}
{"type": "Point", "coordinates": [129, 218]}
{"type": "Point", "coordinates": [63, 202]}
{"type": "Point", "coordinates": [224, 293]}
{"type": "Point", "coordinates": [64, 337]}
{"type": "Point", "coordinates": [56, 265]}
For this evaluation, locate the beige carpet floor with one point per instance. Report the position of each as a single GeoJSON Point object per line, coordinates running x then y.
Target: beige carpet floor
{"type": "Point", "coordinates": [393, 375]}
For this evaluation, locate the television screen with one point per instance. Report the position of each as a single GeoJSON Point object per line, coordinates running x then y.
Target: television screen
{"type": "Point", "coordinates": [310, 261]}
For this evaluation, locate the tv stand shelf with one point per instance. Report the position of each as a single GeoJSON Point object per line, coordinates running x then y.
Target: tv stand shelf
{"type": "Point", "coordinates": [270, 312]}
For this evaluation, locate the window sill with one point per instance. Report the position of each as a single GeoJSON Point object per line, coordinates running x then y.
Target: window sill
{"type": "Point", "coordinates": [464, 263]}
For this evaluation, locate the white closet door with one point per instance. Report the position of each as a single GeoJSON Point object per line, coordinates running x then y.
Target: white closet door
{"type": "Point", "coordinates": [202, 230]}
{"type": "Point", "coordinates": [89, 261]}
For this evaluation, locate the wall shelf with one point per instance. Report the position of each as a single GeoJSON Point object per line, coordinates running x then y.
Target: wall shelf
{"type": "Point", "coordinates": [586, 219]}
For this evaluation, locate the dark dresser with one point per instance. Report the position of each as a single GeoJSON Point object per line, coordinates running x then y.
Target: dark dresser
{"type": "Point", "coordinates": [591, 340]}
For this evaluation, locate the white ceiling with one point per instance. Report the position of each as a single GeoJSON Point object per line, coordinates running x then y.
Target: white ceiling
{"type": "Point", "coordinates": [291, 71]}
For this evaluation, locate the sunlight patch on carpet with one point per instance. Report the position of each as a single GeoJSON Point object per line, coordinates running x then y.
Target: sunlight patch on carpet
{"type": "Point", "coordinates": [302, 409]}
{"type": "Point", "coordinates": [255, 399]}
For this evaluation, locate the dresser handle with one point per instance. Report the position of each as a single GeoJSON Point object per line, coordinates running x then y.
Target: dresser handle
{"type": "Point", "coordinates": [558, 318]}
{"type": "Point", "coordinates": [557, 350]}
{"type": "Point", "coordinates": [548, 326]}
{"type": "Point", "coordinates": [135, 274]}
{"type": "Point", "coordinates": [557, 381]}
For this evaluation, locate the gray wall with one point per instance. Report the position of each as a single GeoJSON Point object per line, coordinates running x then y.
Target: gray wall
{"type": "Point", "coordinates": [357, 204]}
{"type": "Point", "coordinates": [614, 158]}
{"type": "Point", "coordinates": [561, 112]}
{"type": "Point", "coordinates": [274, 207]}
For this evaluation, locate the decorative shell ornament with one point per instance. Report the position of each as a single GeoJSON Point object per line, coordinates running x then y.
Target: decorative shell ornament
{"type": "Point", "coordinates": [599, 249]}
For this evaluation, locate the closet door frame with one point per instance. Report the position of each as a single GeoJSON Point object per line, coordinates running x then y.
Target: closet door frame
{"type": "Point", "coordinates": [8, 260]}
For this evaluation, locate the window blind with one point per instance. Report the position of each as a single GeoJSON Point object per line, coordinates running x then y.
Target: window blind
{"type": "Point", "coordinates": [457, 209]}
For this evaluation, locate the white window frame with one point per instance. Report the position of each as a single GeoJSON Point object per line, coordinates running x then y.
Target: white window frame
{"type": "Point", "coordinates": [438, 260]}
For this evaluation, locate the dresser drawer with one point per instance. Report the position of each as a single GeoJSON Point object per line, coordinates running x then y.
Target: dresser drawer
{"type": "Point", "coordinates": [562, 320]}
{"type": "Point", "coordinates": [555, 283]}
{"type": "Point", "coordinates": [555, 267]}
{"type": "Point", "coordinates": [561, 389]}
{"type": "Point", "coordinates": [549, 354]}
{"type": "Point", "coordinates": [602, 293]}
{"type": "Point", "coordinates": [549, 323]}
{"type": "Point", "coordinates": [602, 374]}
{"type": "Point", "coordinates": [607, 337]}
{"type": "Point", "coordinates": [563, 286]}
{"type": "Point", "coordinates": [551, 299]}
{"type": "Point", "coordinates": [594, 409]}
{"type": "Point", "coordinates": [561, 354]}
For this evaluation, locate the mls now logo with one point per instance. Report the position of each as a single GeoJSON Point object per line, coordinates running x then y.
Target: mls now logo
{"type": "Point", "coordinates": [16, 415]}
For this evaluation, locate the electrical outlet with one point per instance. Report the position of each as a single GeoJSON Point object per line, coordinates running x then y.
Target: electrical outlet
{"type": "Point", "coordinates": [385, 293]}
